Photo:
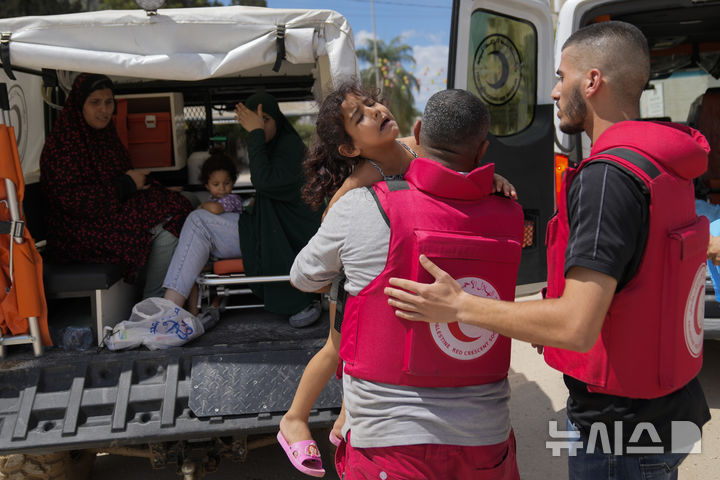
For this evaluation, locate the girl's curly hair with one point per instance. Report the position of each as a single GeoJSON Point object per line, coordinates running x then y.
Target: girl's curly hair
{"type": "Point", "coordinates": [325, 168]}
{"type": "Point", "coordinates": [218, 160]}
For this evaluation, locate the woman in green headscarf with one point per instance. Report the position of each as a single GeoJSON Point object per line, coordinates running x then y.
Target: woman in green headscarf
{"type": "Point", "coordinates": [268, 234]}
{"type": "Point", "coordinates": [279, 223]}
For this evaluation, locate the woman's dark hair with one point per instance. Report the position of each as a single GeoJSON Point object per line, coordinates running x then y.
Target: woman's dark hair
{"type": "Point", "coordinates": [218, 160]}
{"type": "Point", "coordinates": [91, 82]}
{"type": "Point", "coordinates": [325, 168]}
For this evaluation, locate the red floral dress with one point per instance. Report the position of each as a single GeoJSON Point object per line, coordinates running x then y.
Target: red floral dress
{"type": "Point", "coordinates": [87, 220]}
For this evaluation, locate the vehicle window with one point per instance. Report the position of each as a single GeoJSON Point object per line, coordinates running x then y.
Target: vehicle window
{"type": "Point", "coordinates": [502, 69]}
{"type": "Point", "coordinates": [674, 98]}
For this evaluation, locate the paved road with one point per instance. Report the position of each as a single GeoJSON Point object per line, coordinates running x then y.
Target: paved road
{"type": "Point", "coordinates": [538, 395]}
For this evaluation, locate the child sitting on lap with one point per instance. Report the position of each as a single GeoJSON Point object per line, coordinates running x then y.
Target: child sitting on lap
{"type": "Point", "coordinates": [218, 174]}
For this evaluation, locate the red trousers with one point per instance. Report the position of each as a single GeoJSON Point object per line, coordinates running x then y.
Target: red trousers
{"type": "Point", "coordinates": [428, 462]}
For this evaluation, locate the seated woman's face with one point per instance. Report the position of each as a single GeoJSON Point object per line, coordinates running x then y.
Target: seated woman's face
{"type": "Point", "coordinates": [269, 126]}
{"type": "Point", "coordinates": [98, 108]}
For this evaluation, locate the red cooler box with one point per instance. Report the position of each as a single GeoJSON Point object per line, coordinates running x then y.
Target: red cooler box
{"type": "Point", "coordinates": [120, 118]}
{"type": "Point", "coordinates": [149, 139]}
{"type": "Point", "coordinates": [152, 128]}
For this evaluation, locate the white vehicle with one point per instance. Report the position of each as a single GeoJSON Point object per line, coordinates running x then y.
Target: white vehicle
{"type": "Point", "coordinates": [502, 50]}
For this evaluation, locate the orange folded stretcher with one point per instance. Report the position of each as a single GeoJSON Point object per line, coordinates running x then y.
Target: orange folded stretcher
{"type": "Point", "coordinates": [23, 310]}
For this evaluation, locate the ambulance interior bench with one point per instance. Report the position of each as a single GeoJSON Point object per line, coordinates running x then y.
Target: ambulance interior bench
{"type": "Point", "coordinates": [110, 297]}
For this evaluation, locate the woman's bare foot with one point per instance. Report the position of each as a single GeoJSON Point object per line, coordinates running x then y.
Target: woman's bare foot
{"type": "Point", "coordinates": [294, 429]}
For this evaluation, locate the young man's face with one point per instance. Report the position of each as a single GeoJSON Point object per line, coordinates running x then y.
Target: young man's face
{"type": "Point", "coordinates": [572, 109]}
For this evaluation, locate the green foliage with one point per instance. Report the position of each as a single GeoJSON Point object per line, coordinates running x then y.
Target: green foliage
{"type": "Point", "coordinates": [396, 83]}
{"type": "Point", "coordinates": [304, 128]}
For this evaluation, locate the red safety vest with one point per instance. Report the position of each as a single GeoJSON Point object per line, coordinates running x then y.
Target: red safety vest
{"type": "Point", "coordinates": [651, 340]}
{"type": "Point", "coordinates": [474, 236]}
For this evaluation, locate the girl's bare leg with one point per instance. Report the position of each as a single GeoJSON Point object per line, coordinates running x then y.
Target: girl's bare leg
{"type": "Point", "coordinates": [319, 370]}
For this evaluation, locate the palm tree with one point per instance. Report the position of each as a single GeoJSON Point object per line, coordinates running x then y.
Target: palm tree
{"type": "Point", "coordinates": [397, 83]}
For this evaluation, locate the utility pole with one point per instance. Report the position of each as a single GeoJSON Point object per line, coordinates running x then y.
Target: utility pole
{"type": "Point", "coordinates": [377, 67]}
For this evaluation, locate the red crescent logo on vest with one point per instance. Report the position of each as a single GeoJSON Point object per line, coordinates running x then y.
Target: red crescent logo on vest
{"type": "Point", "coordinates": [460, 340]}
{"type": "Point", "coordinates": [457, 332]}
{"type": "Point", "coordinates": [695, 313]}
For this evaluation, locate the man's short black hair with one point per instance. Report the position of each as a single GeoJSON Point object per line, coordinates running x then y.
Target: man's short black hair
{"type": "Point", "coordinates": [619, 50]}
{"type": "Point", "coordinates": [454, 118]}
{"type": "Point", "coordinates": [598, 33]}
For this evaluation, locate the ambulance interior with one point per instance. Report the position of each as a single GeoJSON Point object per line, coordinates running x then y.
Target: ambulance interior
{"type": "Point", "coordinates": [685, 63]}
{"type": "Point", "coordinates": [170, 134]}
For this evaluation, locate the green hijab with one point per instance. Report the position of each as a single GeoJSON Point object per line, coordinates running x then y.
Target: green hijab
{"type": "Point", "coordinates": [271, 107]}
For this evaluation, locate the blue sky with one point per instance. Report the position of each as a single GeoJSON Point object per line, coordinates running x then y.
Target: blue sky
{"type": "Point", "coordinates": [423, 24]}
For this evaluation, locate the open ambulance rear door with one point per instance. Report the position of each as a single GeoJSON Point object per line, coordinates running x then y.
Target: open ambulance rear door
{"type": "Point", "coordinates": [684, 87]}
{"type": "Point", "coordinates": [502, 51]}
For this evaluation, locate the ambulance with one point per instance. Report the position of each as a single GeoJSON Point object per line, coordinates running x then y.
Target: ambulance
{"type": "Point", "coordinates": [507, 52]}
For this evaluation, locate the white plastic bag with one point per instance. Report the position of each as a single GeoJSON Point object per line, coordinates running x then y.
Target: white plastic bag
{"type": "Point", "coordinates": [156, 323]}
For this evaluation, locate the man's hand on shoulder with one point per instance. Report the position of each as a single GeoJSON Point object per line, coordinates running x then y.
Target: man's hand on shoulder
{"type": "Point", "coordinates": [572, 322]}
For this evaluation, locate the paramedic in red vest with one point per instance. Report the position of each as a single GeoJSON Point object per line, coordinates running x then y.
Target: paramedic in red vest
{"type": "Point", "coordinates": [422, 403]}
{"type": "Point", "coordinates": [626, 269]}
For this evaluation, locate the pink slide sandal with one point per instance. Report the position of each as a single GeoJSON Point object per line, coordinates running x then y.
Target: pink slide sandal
{"type": "Point", "coordinates": [304, 455]}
